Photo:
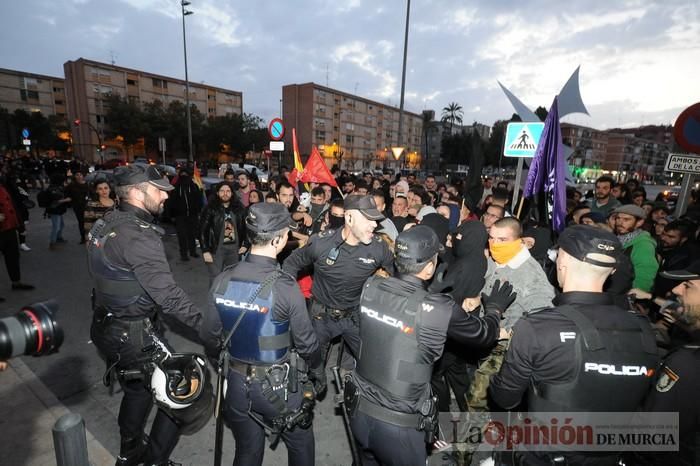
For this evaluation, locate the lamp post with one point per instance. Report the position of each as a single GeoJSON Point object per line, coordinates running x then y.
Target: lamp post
{"type": "Point", "coordinates": [183, 4]}
{"type": "Point", "coordinates": [403, 80]}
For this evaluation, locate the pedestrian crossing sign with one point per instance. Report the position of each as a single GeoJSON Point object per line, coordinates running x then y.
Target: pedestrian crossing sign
{"type": "Point", "coordinates": [522, 139]}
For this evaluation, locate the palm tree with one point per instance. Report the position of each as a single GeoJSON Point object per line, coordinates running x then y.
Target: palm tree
{"type": "Point", "coordinates": [453, 113]}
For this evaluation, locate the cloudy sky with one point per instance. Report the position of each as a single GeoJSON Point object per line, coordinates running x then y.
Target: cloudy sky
{"type": "Point", "coordinates": [640, 60]}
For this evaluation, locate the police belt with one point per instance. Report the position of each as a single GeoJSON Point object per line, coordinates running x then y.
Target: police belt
{"type": "Point", "coordinates": [102, 315]}
{"type": "Point", "coordinates": [336, 313]}
{"type": "Point", "coordinates": [388, 415]}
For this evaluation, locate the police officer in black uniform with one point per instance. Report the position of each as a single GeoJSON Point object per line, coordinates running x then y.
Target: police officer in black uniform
{"type": "Point", "coordinates": [678, 381]}
{"type": "Point", "coordinates": [403, 329]}
{"type": "Point", "coordinates": [342, 260]}
{"type": "Point", "coordinates": [569, 358]}
{"type": "Point", "coordinates": [133, 283]}
{"type": "Point", "coordinates": [267, 325]}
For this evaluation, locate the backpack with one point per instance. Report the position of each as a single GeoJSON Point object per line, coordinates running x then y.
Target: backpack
{"type": "Point", "coordinates": [44, 198]}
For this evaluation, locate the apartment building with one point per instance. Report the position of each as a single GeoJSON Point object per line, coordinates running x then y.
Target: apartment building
{"type": "Point", "coordinates": [589, 145]}
{"type": "Point", "coordinates": [630, 156]}
{"type": "Point", "coordinates": [89, 82]}
{"type": "Point", "coordinates": [32, 92]}
{"type": "Point", "coordinates": [354, 132]}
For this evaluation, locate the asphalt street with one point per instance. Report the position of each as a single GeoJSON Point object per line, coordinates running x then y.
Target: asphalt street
{"type": "Point", "coordinates": [74, 374]}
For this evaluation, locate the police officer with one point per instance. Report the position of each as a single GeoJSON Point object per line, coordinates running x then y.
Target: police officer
{"type": "Point", "coordinates": [559, 359]}
{"type": "Point", "coordinates": [403, 329]}
{"type": "Point", "coordinates": [678, 381]}
{"type": "Point", "coordinates": [342, 260]}
{"type": "Point", "coordinates": [265, 320]}
{"type": "Point", "coordinates": [132, 284]}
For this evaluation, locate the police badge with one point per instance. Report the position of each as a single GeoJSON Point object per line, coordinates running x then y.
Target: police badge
{"type": "Point", "coordinates": [667, 380]}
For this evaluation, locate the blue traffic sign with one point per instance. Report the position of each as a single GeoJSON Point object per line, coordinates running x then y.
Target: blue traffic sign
{"type": "Point", "coordinates": [276, 129]}
{"type": "Point", "coordinates": [25, 133]}
{"type": "Point", "coordinates": [522, 139]}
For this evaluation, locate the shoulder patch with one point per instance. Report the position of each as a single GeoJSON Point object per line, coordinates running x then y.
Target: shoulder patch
{"type": "Point", "coordinates": [667, 380]}
{"type": "Point", "coordinates": [326, 233]}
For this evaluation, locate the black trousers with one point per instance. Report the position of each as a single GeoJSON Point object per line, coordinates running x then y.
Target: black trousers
{"type": "Point", "coordinates": [451, 373]}
{"type": "Point", "coordinates": [186, 228]}
{"type": "Point", "coordinates": [120, 340]}
{"type": "Point", "coordinates": [250, 436]}
{"type": "Point", "coordinates": [9, 246]}
{"type": "Point", "coordinates": [80, 216]}
{"type": "Point", "coordinates": [386, 444]}
{"type": "Point", "coordinates": [327, 328]}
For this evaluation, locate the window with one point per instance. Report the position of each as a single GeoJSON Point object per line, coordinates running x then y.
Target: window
{"type": "Point", "coordinates": [320, 135]}
{"type": "Point", "coordinates": [28, 95]}
{"type": "Point", "coordinates": [160, 83]}
{"type": "Point", "coordinates": [99, 118]}
{"type": "Point", "coordinates": [349, 139]}
{"type": "Point", "coordinates": [131, 82]}
{"type": "Point", "coordinates": [58, 89]}
{"type": "Point", "coordinates": [133, 99]}
{"type": "Point", "coordinates": [58, 102]}
{"type": "Point", "coordinates": [349, 126]}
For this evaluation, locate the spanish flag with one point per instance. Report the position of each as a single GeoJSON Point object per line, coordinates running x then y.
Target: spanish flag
{"type": "Point", "coordinates": [197, 177]}
{"type": "Point", "coordinates": [298, 166]}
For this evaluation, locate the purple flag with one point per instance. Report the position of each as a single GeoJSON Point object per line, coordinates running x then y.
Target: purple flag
{"type": "Point", "coordinates": [548, 168]}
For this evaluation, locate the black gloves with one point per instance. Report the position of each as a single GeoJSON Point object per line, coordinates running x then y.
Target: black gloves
{"type": "Point", "coordinates": [318, 377]}
{"type": "Point", "coordinates": [500, 298]}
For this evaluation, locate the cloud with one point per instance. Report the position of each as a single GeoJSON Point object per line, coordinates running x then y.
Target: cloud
{"type": "Point", "coordinates": [358, 53]}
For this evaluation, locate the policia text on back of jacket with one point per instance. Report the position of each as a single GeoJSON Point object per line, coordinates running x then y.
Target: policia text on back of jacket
{"type": "Point", "coordinates": [261, 311]}
{"type": "Point", "coordinates": [403, 329]}
{"type": "Point", "coordinates": [559, 359]}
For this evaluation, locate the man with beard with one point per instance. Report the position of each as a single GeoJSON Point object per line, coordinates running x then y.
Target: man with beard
{"type": "Point", "coordinates": [133, 283]}
{"type": "Point", "coordinates": [221, 230]}
{"type": "Point", "coordinates": [342, 259]}
{"type": "Point", "coordinates": [675, 252]}
{"type": "Point", "coordinates": [678, 382]}
{"type": "Point", "coordinates": [243, 188]}
{"type": "Point", "coordinates": [604, 201]}
{"type": "Point", "coordinates": [638, 244]}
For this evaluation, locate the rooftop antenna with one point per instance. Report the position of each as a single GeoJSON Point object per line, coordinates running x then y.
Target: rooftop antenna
{"type": "Point", "coordinates": [356, 86]}
{"type": "Point", "coordinates": [112, 57]}
{"type": "Point", "coordinates": [326, 74]}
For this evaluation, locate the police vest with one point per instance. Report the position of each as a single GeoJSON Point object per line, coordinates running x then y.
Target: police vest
{"type": "Point", "coordinates": [608, 379]}
{"type": "Point", "coordinates": [258, 339]}
{"type": "Point", "coordinates": [114, 286]}
{"type": "Point", "coordinates": [389, 354]}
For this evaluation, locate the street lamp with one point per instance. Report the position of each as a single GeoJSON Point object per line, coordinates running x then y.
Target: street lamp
{"type": "Point", "coordinates": [403, 83]}
{"type": "Point", "coordinates": [183, 4]}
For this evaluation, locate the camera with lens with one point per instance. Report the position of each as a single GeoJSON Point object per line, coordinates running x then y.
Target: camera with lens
{"type": "Point", "coordinates": [32, 331]}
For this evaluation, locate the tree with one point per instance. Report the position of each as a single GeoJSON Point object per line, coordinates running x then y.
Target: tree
{"type": "Point", "coordinates": [452, 113]}
{"type": "Point", "coordinates": [541, 113]}
{"type": "Point", "coordinates": [124, 118]}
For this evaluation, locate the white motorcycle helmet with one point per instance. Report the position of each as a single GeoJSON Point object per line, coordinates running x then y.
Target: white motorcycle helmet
{"type": "Point", "coordinates": [180, 384]}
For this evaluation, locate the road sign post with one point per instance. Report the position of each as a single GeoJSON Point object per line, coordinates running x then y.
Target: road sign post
{"type": "Point", "coordinates": [521, 141]}
{"type": "Point", "coordinates": [689, 165]}
{"type": "Point", "coordinates": [161, 147]}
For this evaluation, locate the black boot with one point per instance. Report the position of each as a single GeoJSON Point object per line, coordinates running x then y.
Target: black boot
{"type": "Point", "coordinates": [131, 451]}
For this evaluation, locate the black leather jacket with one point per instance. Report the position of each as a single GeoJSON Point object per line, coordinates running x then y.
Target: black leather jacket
{"type": "Point", "coordinates": [211, 224]}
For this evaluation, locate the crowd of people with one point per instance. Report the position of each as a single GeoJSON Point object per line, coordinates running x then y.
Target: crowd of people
{"type": "Point", "coordinates": [481, 301]}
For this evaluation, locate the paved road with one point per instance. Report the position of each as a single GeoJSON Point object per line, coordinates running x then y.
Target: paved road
{"type": "Point", "coordinates": [74, 375]}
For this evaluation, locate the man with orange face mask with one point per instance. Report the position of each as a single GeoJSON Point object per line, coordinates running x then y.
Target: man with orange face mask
{"type": "Point", "coordinates": [509, 260]}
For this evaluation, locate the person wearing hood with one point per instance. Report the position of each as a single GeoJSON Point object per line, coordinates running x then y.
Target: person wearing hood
{"type": "Point", "coordinates": [463, 281]}
{"type": "Point", "coordinates": [185, 205]}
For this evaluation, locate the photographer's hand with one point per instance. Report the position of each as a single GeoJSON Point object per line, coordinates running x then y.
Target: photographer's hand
{"type": "Point", "coordinates": [3, 365]}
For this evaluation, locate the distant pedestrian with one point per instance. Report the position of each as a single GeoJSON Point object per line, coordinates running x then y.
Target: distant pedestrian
{"type": "Point", "coordinates": [78, 191]}
{"type": "Point", "coordinates": [101, 203]}
{"type": "Point", "coordinates": [58, 205]}
{"type": "Point", "coordinates": [9, 243]}
{"type": "Point", "coordinates": [185, 205]}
